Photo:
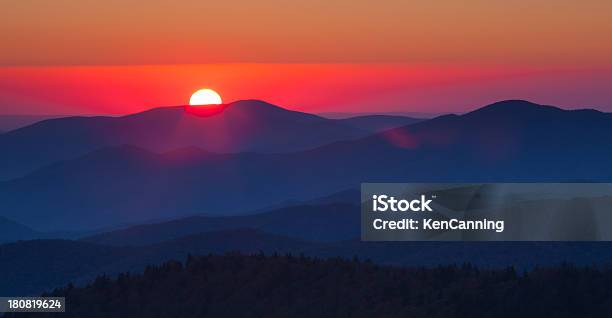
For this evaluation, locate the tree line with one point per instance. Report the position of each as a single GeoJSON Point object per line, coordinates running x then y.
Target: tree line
{"type": "Point", "coordinates": [236, 285]}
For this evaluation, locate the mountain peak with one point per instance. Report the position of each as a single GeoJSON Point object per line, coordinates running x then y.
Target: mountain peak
{"type": "Point", "coordinates": [513, 103]}
{"type": "Point", "coordinates": [249, 105]}
{"type": "Point", "coordinates": [513, 106]}
{"type": "Point", "coordinates": [252, 103]}
{"type": "Point", "coordinates": [253, 106]}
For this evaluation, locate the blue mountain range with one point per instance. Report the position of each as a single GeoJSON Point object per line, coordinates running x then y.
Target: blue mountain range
{"type": "Point", "coordinates": [125, 184]}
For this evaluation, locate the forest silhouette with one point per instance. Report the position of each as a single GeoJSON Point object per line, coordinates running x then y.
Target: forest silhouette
{"type": "Point", "coordinates": [236, 285]}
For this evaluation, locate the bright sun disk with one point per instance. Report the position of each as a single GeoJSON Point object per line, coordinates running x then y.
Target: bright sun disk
{"type": "Point", "coordinates": [205, 97]}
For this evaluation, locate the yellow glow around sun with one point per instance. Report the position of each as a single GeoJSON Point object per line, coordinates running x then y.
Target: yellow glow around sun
{"type": "Point", "coordinates": [205, 97]}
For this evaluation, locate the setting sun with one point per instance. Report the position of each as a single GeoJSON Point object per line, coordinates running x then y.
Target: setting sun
{"type": "Point", "coordinates": [205, 97]}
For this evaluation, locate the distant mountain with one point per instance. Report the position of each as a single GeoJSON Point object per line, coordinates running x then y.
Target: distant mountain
{"type": "Point", "coordinates": [511, 140]}
{"type": "Point", "coordinates": [242, 126]}
{"type": "Point", "coordinates": [13, 231]}
{"type": "Point", "coordinates": [378, 123]}
{"type": "Point", "coordinates": [31, 267]}
{"type": "Point", "coordinates": [331, 222]}
{"type": "Point", "coordinates": [12, 122]}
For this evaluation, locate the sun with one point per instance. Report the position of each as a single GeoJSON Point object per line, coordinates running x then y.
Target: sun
{"type": "Point", "coordinates": [205, 96]}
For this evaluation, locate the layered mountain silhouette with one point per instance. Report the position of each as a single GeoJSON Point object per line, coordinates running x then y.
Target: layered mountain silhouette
{"type": "Point", "coordinates": [329, 222]}
{"type": "Point", "coordinates": [507, 141]}
{"type": "Point", "coordinates": [243, 126]}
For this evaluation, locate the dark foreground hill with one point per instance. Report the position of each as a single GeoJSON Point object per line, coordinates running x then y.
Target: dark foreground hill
{"type": "Point", "coordinates": [289, 286]}
{"type": "Point", "coordinates": [32, 267]}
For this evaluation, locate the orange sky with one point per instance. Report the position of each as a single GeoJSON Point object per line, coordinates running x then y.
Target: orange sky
{"type": "Point", "coordinates": [43, 32]}
{"type": "Point", "coordinates": [306, 87]}
{"type": "Point", "coordinates": [120, 56]}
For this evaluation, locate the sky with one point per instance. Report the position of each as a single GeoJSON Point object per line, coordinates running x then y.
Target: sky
{"type": "Point", "coordinates": [115, 57]}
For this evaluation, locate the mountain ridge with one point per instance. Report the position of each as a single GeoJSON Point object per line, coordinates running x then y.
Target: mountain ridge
{"type": "Point", "coordinates": [315, 223]}
{"type": "Point", "coordinates": [241, 126]}
{"type": "Point", "coordinates": [238, 128]}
